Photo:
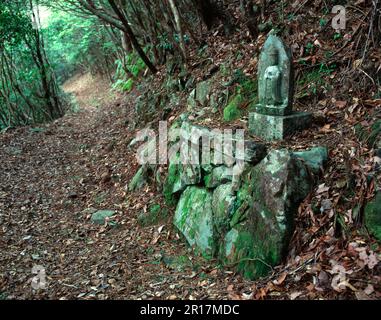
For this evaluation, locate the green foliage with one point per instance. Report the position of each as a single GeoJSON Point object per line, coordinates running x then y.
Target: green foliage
{"type": "Point", "coordinates": [127, 72]}
{"type": "Point", "coordinates": [76, 45]}
{"type": "Point", "coordinates": [337, 36]}
{"type": "Point", "coordinates": [28, 91]}
{"type": "Point", "coordinates": [232, 111]}
{"type": "Point", "coordinates": [323, 22]}
{"type": "Point", "coordinates": [310, 48]}
{"type": "Point", "coordinates": [15, 23]}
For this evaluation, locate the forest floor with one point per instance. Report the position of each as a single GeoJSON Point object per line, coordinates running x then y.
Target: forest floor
{"type": "Point", "coordinates": [52, 179]}
{"type": "Point", "coordinates": [55, 176]}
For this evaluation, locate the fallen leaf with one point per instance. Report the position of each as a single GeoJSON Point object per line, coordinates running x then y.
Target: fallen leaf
{"type": "Point", "coordinates": [295, 295]}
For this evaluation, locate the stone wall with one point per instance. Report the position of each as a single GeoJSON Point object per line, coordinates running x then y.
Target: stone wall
{"type": "Point", "coordinates": [238, 207]}
{"type": "Point", "coordinates": [244, 220]}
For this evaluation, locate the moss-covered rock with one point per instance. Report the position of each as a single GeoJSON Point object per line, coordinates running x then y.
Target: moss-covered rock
{"type": "Point", "coordinates": [173, 184]}
{"type": "Point", "coordinates": [194, 218]}
{"type": "Point", "coordinates": [223, 205]}
{"type": "Point", "coordinates": [179, 177]}
{"type": "Point", "coordinates": [244, 198]}
{"type": "Point", "coordinates": [248, 253]}
{"type": "Point", "coordinates": [232, 110]}
{"type": "Point", "coordinates": [266, 205]}
{"type": "Point", "coordinates": [315, 158]}
{"type": "Point", "coordinates": [218, 176]}
{"type": "Point", "coordinates": [254, 152]}
{"type": "Point", "coordinates": [139, 180]}
{"type": "Point", "coordinates": [100, 216]}
{"type": "Point", "coordinates": [373, 216]}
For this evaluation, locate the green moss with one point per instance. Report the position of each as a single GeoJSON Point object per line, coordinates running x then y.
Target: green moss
{"type": "Point", "coordinates": [139, 180]}
{"type": "Point", "coordinates": [249, 254]}
{"type": "Point", "coordinates": [232, 111]}
{"type": "Point", "coordinates": [248, 257]}
{"type": "Point", "coordinates": [373, 216]}
{"type": "Point", "coordinates": [244, 200]}
{"type": "Point", "coordinates": [128, 85]}
{"type": "Point", "coordinates": [193, 218]}
{"type": "Point", "coordinates": [208, 179]}
{"type": "Point", "coordinates": [173, 176]}
{"type": "Point", "coordinates": [249, 89]}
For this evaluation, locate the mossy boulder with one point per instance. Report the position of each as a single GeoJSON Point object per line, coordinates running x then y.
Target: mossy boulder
{"type": "Point", "coordinates": [232, 111]}
{"type": "Point", "coordinates": [194, 218]}
{"type": "Point", "coordinates": [373, 216]}
{"type": "Point", "coordinates": [179, 177]}
{"type": "Point", "coordinates": [248, 254]}
{"type": "Point", "coordinates": [173, 184]}
{"type": "Point", "coordinates": [263, 222]}
{"type": "Point", "coordinates": [314, 158]}
{"type": "Point", "coordinates": [244, 198]}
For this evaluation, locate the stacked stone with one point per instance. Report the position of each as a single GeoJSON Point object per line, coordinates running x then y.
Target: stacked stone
{"type": "Point", "coordinates": [244, 220]}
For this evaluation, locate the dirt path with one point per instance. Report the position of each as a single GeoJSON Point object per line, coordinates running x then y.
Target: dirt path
{"type": "Point", "coordinates": [52, 178]}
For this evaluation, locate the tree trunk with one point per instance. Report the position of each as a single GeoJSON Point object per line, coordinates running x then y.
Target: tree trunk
{"type": "Point", "coordinates": [126, 42]}
{"type": "Point", "coordinates": [179, 29]}
{"type": "Point", "coordinates": [131, 34]}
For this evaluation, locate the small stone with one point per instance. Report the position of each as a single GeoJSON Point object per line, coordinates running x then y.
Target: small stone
{"type": "Point", "coordinates": [73, 195]}
{"type": "Point", "coordinates": [315, 158]}
{"type": "Point", "coordinates": [139, 180]}
{"type": "Point", "coordinates": [106, 177]}
{"type": "Point", "coordinates": [100, 216]}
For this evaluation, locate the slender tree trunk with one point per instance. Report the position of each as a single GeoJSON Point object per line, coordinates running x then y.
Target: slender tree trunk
{"type": "Point", "coordinates": [131, 34]}
{"type": "Point", "coordinates": [126, 42]}
{"type": "Point", "coordinates": [179, 29]}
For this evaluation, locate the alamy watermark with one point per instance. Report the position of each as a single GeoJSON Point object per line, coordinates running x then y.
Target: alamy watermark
{"type": "Point", "coordinates": [339, 22]}
{"type": "Point", "coordinates": [192, 146]}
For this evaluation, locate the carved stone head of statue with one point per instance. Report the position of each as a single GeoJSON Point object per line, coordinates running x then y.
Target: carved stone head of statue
{"type": "Point", "coordinates": [273, 56]}
{"type": "Point", "coordinates": [275, 79]}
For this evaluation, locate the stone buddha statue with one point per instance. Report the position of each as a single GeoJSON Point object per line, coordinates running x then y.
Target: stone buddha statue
{"type": "Point", "coordinates": [272, 117]}
{"type": "Point", "coordinates": [272, 79]}
{"type": "Point", "coordinates": [275, 87]}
